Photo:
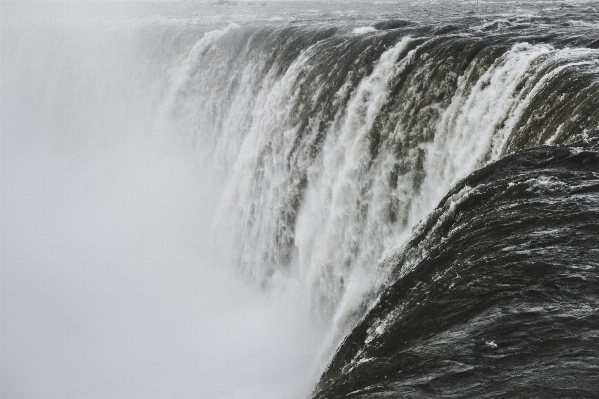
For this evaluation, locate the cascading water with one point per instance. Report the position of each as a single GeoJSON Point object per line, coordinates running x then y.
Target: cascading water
{"type": "Point", "coordinates": [334, 134]}
{"type": "Point", "coordinates": [334, 159]}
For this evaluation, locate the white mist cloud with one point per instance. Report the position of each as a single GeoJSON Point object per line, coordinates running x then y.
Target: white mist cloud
{"type": "Point", "coordinates": [109, 286]}
{"type": "Point", "coordinates": [109, 290]}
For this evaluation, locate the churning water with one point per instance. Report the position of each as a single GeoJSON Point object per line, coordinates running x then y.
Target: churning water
{"type": "Point", "coordinates": [252, 200]}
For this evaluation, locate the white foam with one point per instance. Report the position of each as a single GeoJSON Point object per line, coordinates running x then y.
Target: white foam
{"type": "Point", "coordinates": [364, 29]}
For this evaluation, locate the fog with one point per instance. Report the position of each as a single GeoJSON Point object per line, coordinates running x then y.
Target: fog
{"type": "Point", "coordinates": [111, 286]}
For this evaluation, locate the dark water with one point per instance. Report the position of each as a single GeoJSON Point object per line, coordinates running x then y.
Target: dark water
{"type": "Point", "coordinates": [504, 299]}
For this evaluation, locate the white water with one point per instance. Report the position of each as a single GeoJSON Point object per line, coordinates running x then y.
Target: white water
{"type": "Point", "coordinates": [337, 242]}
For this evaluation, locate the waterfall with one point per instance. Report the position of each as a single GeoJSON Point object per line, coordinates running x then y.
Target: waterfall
{"type": "Point", "coordinates": [337, 144]}
{"type": "Point", "coordinates": [217, 199]}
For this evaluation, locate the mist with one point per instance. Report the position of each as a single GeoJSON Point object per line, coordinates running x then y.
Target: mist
{"type": "Point", "coordinates": [111, 284]}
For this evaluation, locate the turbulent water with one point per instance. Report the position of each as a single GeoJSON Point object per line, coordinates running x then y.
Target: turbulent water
{"type": "Point", "coordinates": [502, 300]}
{"type": "Point", "coordinates": [423, 175]}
